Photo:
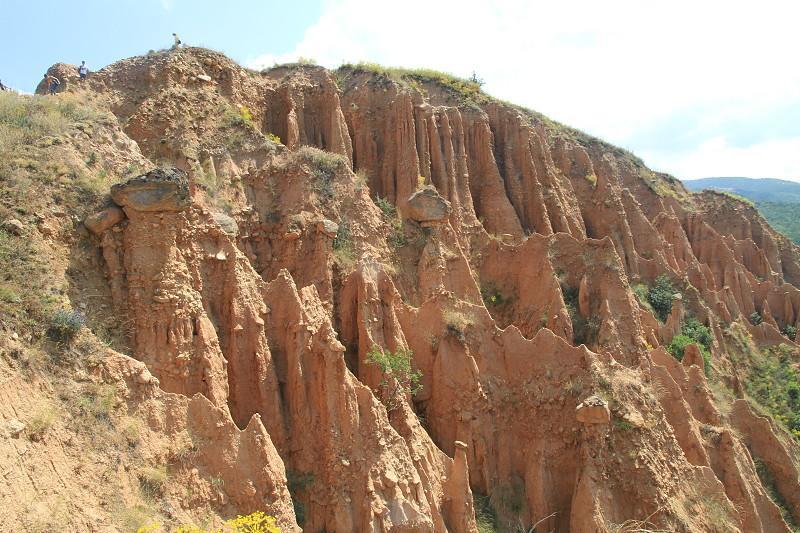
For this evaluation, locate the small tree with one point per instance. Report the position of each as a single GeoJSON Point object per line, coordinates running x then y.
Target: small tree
{"type": "Point", "coordinates": [660, 296]}
{"type": "Point", "coordinates": [400, 378]}
{"type": "Point", "coordinates": [755, 318]}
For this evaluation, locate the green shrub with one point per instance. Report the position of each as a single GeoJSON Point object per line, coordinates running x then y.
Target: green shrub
{"type": "Point", "coordinates": [97, 401]}
{"type": "Point", "coordinates": [400, 377]}
{"type": "Point", "coordinates": [64, 325]}
{"type": "Point", "coordinates": [237, 117]}
{"type": "Point", "coordinates": [623, 425]}
{"type": "Point", "coordinates": [678, 345]}
{"type": "Point", "coordinates": [697, 331]}
{"type": "Point", "coordinates": [660, 297]}
{"type": "Point", "coordinates": [790, 331]}
{"type": "Point", "coordinates": [693, 332]}
{"type": "Point", "coordinates": [755, 318]}
{"type": "Point", "coordinates": [274, 138]}
{"type": "Point", "coordinates": [362, 180]}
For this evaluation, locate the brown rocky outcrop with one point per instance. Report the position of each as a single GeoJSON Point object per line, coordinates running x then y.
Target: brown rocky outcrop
{"type": "Point", "coordinates": [158, 190]}
{"type": "Point", "coordinates": [593, 410]}
{"type": "Point", "coordinates": [104, 220]}
{"type": "Point", "coordinates": [427, 207]}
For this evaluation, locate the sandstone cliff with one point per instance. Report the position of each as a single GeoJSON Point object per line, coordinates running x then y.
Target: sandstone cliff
{"type": "Point", "coordinates": [310, 216]}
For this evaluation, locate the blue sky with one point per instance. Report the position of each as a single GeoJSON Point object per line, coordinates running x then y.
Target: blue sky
{"type": "Point", "coordinates": [38, 33]}
{"type": "Point", "coordinates": [696, 89]}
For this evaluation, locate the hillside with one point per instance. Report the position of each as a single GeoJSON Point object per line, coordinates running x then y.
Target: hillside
{"type": "Point", "coordinates": [776, 200]}
{"type": "Point", "coordinates": [757, 190]}
{"type": "Point", "coordinates": [376, 299]}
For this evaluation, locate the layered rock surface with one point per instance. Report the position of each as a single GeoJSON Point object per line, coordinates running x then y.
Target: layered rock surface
{"type": "Point", "coordinates": [546, 387]}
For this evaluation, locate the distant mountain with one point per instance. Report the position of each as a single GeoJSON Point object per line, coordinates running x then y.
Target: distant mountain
{"type": "Point", "coordinates": [758, 190]}
{"type": "Point", "coordinates": [777, 200]}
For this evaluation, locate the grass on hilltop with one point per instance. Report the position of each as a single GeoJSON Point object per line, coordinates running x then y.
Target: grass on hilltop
{"type": "Point", "coordinates": [467, 91]}
{"type": "Point", "coordinates": [37, 174]}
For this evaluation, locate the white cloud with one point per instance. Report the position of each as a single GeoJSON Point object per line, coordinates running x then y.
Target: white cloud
{"type": "Point", "coordinates": [613, 69]}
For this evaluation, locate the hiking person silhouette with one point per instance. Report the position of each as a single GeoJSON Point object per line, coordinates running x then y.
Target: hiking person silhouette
{"type": "Point", "coordinates": [52, 83]}
{"type": "Point", "coordinates": [177, 41]}
{"type": "Point", "coordinates": [83, 70]}
{"type": "Point", "coordinates": [3, 87]}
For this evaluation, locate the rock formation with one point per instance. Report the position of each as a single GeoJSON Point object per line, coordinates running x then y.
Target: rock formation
{"type": "Point", "coordinates": [287, 237]}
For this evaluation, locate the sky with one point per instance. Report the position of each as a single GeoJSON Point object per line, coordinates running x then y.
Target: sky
{"type": "Point", "coordinates": [695, 88]}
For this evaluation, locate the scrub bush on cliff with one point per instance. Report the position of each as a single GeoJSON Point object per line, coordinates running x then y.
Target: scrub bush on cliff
{"type": "Point", "coordinates": [660, 297]}
{"type": "Point", "coordinates": [400, 378]}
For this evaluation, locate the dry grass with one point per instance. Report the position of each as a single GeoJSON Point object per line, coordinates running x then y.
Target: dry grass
{"type": "Point", "coordinates": [458, 321]}
{"type": "Point", "coordinates": [152, 481]}
{"type": "Point", "coordinates": [27, 119]}
{"type": "Point", "coordinates": [41, 421]}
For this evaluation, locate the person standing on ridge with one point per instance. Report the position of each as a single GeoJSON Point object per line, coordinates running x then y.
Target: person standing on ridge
{"type": "Point", "coordinates": [3, 87]}
{"type": "Point", "coordinates": [83, 70]}
{"type": "Point", "coordinates": [52, 83]}
{"type": "Point", "coordinates": [177, 41]}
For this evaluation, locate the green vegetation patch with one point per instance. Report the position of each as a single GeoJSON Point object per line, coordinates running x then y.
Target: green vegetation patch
{"type": "Point", "coordinates": [774, 383]}
{"type": "Point", "coordinates": [400, 377]}
{"type": "Point", "coordinates": [693, 332]}
{"type": "Point", "coordinates": [641, 291]}
{"type": "Point", "coordinates": [783, 217]}
{"type": "Point", "coordinates": [660, 297]}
